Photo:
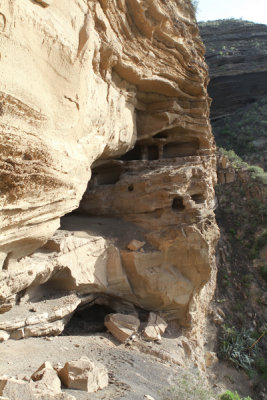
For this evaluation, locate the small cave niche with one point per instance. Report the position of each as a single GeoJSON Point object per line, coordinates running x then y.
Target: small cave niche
{"type": "Point", "coordinates": [107, 174]}
{"type": "Point", "coordinates": [182, 149]}
{"type": "Point", "coordinates": [142, 152]}
{"type": "Point", "coordinates": [87, 320]}
{"type": "Point", "coordinates": [177, 204]}
{"type": "Point", "coordinates": [198, 198]}
{"type": "Point", "coordinates": [134, 154]}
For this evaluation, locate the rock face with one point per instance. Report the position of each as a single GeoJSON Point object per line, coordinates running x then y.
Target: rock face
{"type": "Point", "coordinates": [237, 59]}
{"type": "Point", "coordinates": [107, 78]}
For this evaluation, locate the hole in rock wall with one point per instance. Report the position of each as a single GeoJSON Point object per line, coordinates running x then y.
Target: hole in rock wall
{"type": "Point", "coordinates": [107, 174]}
{"type": "Point", "coordinates": [177, 204]}
{"type": "Point", "coordinates": [198, 198]}
{"type": "Point", "coordinates": [142, 152]}
{"type": "Point", "coordinates": [88, 319]}
{"type": "Point", "coordinates": [134, 154]}
{"type": "Point", "coordinates": [183, 149]}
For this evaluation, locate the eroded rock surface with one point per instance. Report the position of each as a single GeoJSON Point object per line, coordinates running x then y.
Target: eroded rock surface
{"type": "Point", "coordinates": [107, 78]}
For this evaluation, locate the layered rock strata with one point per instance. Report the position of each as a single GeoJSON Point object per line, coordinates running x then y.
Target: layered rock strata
{"type": "Point", "coordinates": [106, 77]}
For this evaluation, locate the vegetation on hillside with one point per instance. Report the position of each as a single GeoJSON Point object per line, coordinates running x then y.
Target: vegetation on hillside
{"type": "Point", "coordinates": [245, 132]}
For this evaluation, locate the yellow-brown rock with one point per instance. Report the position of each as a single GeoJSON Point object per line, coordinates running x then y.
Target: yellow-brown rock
{"type": "Point", "coordinates": [105, 78]}
{"type": "Point", "coordinates": [93, 73]}
{"type": "Point", "coordinates": [83, 374]}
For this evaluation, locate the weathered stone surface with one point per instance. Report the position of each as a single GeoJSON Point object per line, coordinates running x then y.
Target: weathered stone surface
{"type": "Point", "coordinates": [122, 326]}
{"type": "Point", "coordinates": [42, 179]}
{"type": "Point", "coordinates": [52, 312]}
{"type": "Point", "coordinates": [15, 389]}
{"type": "Point", "coordinates": [83, 374]}
{"type": "Point", "coordinates": [156, 326]}
{"type": "Point", "coordinates": [91, 100]}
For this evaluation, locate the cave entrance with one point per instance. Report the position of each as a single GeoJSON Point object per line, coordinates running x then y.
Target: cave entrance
{"type": "Point", "coordinates": [106, 174]}
{"type": "Point", "coordinates": [87, 320]}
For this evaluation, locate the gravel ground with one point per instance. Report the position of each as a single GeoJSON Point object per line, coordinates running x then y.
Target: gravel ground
{"type": "Point", "coordinates": [131, 374]}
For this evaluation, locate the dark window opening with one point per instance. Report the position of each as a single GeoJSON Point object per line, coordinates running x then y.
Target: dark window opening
{"type": "Point", "coordinates": [134, 154]}
{"type": "Point", "coordinates": [105, 175]}
{"type": "Point", "coordinates": [131, 188]}
{"type": "Point", "coordinates": [177, 204]}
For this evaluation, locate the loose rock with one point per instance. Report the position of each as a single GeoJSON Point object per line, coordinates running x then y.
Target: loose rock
{"type": "Point", "coordinates": [122, 326]}
{"type": "Point", "coordinates": [155, 327]}
{"type": "Point", "coordinates": [46, 378]}
{"type": "Point", "coordinates": [83, 374]}
{"type": "Point", "coordinates": [15, 389]}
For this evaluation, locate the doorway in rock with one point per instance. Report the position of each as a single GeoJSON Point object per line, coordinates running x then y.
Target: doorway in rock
{"type": "Point", "coordinates": [88, 319]}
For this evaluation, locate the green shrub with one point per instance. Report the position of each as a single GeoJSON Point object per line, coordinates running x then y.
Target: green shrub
{"type": "Point", "coordinates": [236, 346]}
{"type": "Point", "coordinates": [189, 386]}
{"type": "Point", "coordinates": [228, 395]}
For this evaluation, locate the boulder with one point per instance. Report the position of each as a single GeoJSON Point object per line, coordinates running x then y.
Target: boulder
{"type": "Point", "coordinates": [84, 374]}
{"type": "Point", "coordinates": [15, 389]}
{"type": "Point", "coordinates": [155, 327]}
{"type": "Point", "coordinates": [46, 378]}
{"type": "Point", "coordinates": [122, 326]}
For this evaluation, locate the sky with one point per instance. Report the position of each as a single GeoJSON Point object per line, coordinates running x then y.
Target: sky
{"type": "Point", "coordinates": [250, 10]}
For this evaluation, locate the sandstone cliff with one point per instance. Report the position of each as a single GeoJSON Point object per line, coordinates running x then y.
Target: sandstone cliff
{"type": "Point", "coordinates": [102, 79]}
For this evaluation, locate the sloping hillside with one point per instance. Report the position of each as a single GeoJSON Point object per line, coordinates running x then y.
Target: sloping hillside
{"type": "Point", "coordinates": [236, 52]}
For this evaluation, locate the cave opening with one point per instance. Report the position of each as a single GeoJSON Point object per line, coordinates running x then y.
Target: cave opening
{"type": "Point", "coordinates": [134, 154]}
{"type": "Point", "coordinates": [198, 198]}
{"type": "Point", "coordinates": [87, 320]}
{"type": "Point", "coordinates": [177, 204]}
{"type": "Point", "coordinates": [107, 174]}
